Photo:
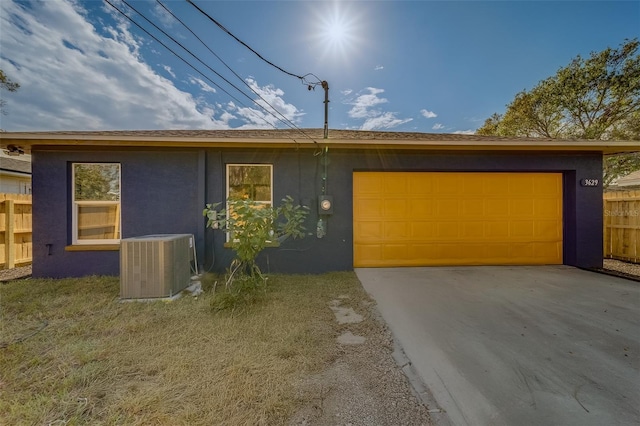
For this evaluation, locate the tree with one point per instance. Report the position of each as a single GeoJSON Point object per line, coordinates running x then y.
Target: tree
{"type": "Point", "coordinates": [617, 166]}
{"type": "Point", "coordinates": [252, 227]}
{"type": "Point", "coordinates": [8, 85]}
{"type": "Point", "coordinates": [595, 98]}
{"type": "Point", "coordinates": [96, 182]}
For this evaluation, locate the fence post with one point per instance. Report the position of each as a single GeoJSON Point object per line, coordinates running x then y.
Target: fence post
{"type": "Point", "coordinates": [9, 237]}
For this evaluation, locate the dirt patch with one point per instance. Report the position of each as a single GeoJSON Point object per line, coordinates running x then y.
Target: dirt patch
{"type": "Point", "coordinates": [632, 269]}
{"type": "Point", "coordinates": [363, 385]}
{"type": "Point", "coordinates": [15, 273]}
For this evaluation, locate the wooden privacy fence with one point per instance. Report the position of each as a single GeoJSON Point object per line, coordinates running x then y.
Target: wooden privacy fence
{"type": "Point", "coordinates": [622, 225]}
{"type": "Point", "coordinates": [15, 230]}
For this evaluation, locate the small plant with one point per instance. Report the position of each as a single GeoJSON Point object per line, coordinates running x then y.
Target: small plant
{"type": "Point", "coordinates": [252, 227]}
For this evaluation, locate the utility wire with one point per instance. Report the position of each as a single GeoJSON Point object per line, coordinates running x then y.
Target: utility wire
{"type": "Point", "coordinates": [225, 64]}
{"type": "Point", "coordinates": [290, 124]}
{"type": "Point", "coordinates": [222, 27]}
{"type": "Point", "coordinates": [199, 60]}
{"type": "Point", "coordinates": [172, 51]}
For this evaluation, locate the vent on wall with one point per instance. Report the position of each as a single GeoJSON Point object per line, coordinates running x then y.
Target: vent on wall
{"type": "Point", "coordinates": [155, 266]}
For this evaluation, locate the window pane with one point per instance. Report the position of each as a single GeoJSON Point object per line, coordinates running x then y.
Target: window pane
{"type": "Point", "coordinates": [100, 222]}
{"type": "Point", "coordinates": [97, 182]}
{"type": "Point", "coordinates": [253, 181]}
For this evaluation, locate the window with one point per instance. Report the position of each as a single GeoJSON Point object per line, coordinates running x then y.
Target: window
{"type": "Point", "coordinates": [96, 203]}
{"type": "Point", "coordinates": [249, 181]}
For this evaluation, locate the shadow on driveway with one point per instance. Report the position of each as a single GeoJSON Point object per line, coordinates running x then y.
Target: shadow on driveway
{"type": "Point", "coordinates": [527, 345]}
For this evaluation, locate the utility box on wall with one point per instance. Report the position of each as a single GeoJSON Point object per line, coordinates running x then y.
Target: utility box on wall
{"type": "Point", "coordinates": [155, 266]}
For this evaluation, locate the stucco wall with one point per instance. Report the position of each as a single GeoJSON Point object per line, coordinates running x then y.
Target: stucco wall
{"type": "Point", "coordinates": [159, 195]}
{"type": "Point", "coordinates": [164, 191]}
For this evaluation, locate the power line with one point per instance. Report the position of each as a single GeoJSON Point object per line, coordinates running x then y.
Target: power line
{"type": "Point", "coordinates": [207, 66]}
{"type": "Point", "coordinates": [222, 27]}
{"type": "Point", "coordinates": [303, 79]}
{"type": "Point", "coordinates": [224, 63]}
{"type": "Point", "coordinates": [172, 51]}
{"type": "Point", "coordinates": [290, 124]}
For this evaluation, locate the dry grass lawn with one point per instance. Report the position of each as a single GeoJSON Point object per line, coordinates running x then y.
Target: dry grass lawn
{"type": "Point", "coordinates": [71, 353]}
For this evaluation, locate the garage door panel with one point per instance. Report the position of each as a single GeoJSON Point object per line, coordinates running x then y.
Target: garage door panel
{"type": "Point", "coordinates": [421, 231]}
{"type": "Point", "coordinates": [548, 230]}
{"type": "Point", "coordinates": [447, 230]}
{"type": "Point", "coordinates": [522, 251]}
{"type": "Point", "coordinates": [368, 183]}
{"type": "Point", "coordinates": [370, 231]}
{"type": "Point", "coordinates": [396, 252]}
{"type": "Point", "coordinates": [494, 185]}
{"type": "Point", "coordinates": [447, 207]}
{"type": "Point", "coordinates": [395, 208]}
{"type": "Point", "coordinates": [520, 184]}
{"type": "Point", "coordinates": [547, 207]}
{"type": "Point", "coordinates": [521, 208]}
{"type": "Point", "coordinates": [472, 186]}
{"type": "Point", "coordinates": [421, 185]}
{"type": "Point", "coordinates": [420, 208]}
{"type": "Point", "coordinates": [495, 207]}
{"type": "Point", "coordinates": [546, 252]}
{"type": "Point", "coordinates": [368, 208]}
{"type": "Point", "coordinates": [395, 186]}
{"type": "Point", "coordinates": [413, 219]}
{"type": "Point", "coordinates": [521, 229]}
{"type": "Point", "coordinates": [446, 184]}
{"type": "Point", "coordinates": [422, 252]}
{"type": "Point", "coordinates": [472, 208]}
{"type": "Point", "coordinates": [397, 230]}
{"type": "Point", "coordinates": [548, 184]}
{"type": "Point", "coordinates": [496, 230]}
{"type": "Point", "coordinates": [474, 230]}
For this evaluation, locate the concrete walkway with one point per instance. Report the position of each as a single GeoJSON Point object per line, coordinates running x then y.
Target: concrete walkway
{"type": "Point", "coordinates": [550, 345]}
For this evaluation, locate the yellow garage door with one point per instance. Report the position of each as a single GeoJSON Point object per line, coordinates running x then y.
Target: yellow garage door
{"type": "Point", "coordinates": [421, 219]}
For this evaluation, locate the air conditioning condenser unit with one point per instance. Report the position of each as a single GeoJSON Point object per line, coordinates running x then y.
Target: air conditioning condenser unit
{"type": "Point", "coordinates": [155, 266]}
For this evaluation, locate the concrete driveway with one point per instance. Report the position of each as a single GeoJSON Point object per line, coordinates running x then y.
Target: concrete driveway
{"type": "Point", "coordinates": [550, 345]}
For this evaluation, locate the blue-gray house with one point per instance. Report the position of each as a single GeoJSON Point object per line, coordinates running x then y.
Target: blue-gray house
{"type": "Point", "coordinates": [390, 199]}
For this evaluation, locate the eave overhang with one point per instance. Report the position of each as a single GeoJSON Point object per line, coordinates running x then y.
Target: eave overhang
{"type": "Point", "coordinates": [338, 139]}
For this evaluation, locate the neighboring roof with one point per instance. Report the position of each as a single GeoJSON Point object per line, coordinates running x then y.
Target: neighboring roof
{"type": "Point", "coordinates": [632, 179]}
{"type": "Point", "coordinates": [15, 165]}
{"type": "Point", "coordinates": [307, 138]}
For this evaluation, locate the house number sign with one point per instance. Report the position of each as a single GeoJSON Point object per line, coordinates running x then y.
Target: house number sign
{"type": "Point", "coordinates": [589, 182]}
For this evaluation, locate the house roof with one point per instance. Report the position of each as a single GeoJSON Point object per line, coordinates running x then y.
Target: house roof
{"type": "Point", "coordinates": [307, 138]}
{"type": "Point", "coordinates": [632, 179]}
{"type": "Point", "coordinates": [15, 165]}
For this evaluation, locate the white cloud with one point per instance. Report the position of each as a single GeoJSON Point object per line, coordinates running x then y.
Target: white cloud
{"type": "Point", "coordinates": [387, 120]}
{"type": "Point", "coordinates": [363, 104]}
{"type": "Point", "coordinates": [168, 69]}
{"type": "Point", "coordinates": [428, 114]}
{"type": "Point", "coordinates": [378, 68]}
{"type": "Point", "coordinates": [438, 126]}
{"type": "Point", "coordinates": [202, 84]}
{"type": "Point", "coordinates": [164, 16]}
{"type": "Point", "coordinates": [271, 99]}
{"type": "Point", "coordinates": [346, 92]}
{"type": "Point", "coordinates": [465, 132]}
{"type": "Point", "coordinates": [363, 107]}
{"type": "Point", "coordinates": [103, 84]}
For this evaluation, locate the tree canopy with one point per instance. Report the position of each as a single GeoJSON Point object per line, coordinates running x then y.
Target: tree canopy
{"type": "Point", "coordinates": [594, 98]}
{"type": "Point", "coordinates": [8, 85]}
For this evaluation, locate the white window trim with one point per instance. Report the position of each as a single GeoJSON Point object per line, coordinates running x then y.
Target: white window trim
{"type": "Point", "coordinates": [229, 165]}
{"type": "Point", "coordinates": [77, 204]}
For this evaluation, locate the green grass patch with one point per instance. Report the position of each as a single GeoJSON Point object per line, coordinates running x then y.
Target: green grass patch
{"type": "Point", "coordinates": [71, 353]}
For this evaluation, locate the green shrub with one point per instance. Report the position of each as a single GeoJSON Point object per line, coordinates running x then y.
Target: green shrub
{"type": "Point", "coordinates": [252, 227]}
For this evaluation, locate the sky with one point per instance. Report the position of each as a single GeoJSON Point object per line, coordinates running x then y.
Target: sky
{"type": "Point", "coordinates": [405, 66]}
